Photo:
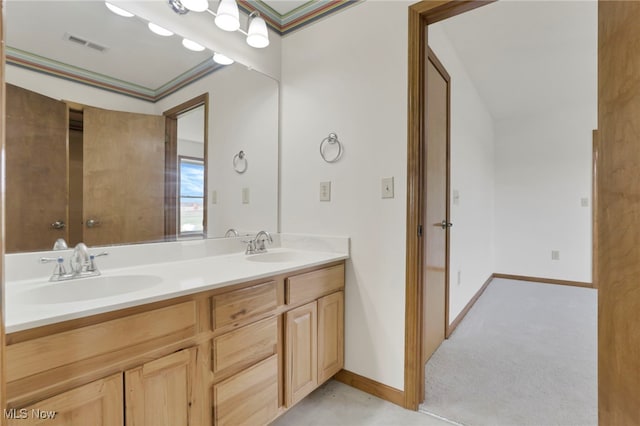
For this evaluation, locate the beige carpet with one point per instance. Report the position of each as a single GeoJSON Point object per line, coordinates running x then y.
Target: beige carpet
{"type": "Point", "coordinates": [526, 354]}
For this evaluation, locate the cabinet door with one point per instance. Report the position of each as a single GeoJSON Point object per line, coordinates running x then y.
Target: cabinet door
{"type": "Point", "coordinates": [98, 403]}
{"type": "Point", "coordinates": [301, 367]}
{"type": "Point", "coordinates": [330, 335]}
{"type": "Point", "coordinates": [161, 392]}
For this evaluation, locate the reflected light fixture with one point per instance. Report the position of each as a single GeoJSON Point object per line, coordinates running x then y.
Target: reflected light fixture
{"type": "Point", "coordinates": [228, 16]}
{"type": "Point", "coordinates": [192, 45]}
{"type": "Point", "coordinates": [257, 35]}
{"type": "Point", "coordinates": [196, 5]}
{"type": "Point", "coordinates": [157, 29]}
{"type": "Point", "coordinates": [222, 59]}
{"type": "Point", "coordinates": [118, 11]}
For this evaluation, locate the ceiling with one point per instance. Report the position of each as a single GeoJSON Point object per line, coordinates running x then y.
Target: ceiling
{"type": "Point", "coordinates": [527, 56]}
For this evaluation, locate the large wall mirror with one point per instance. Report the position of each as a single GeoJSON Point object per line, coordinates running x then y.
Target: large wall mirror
{"type": "Point", "coordinates": [117, 135]}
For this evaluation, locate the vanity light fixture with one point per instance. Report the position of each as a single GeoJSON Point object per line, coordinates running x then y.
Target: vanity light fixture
{"type": "Point", "coordinates": [257, 35]}
{"type": "Point", "coordinates": [192, 45]}
{"type": "Point", "coordinates": [196, 5]}
{"type": "Point", "coordinates": [222, 59]}
{"type": "Point", "coordinates": [157, 29]}
{"type": "Point", "coordinates": [118, 11]}
{"type": "Point", "coordinates": [227, 18]}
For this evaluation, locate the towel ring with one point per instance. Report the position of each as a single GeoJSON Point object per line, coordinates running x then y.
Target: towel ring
{"type": "Point", "coordinates": [240, 157]}
{"type": "Point", "coordinates": [331, 140]}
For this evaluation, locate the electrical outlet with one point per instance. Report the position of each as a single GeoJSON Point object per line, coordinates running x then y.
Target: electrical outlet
{"type": "Point", "coordinates": [555, 254]}
{"type": "Point", "coordinates": [387, 187]}
{"type": "Point", "coordinates": [214, 197]}
{"type": "Point", "coordinates": [584, 202]}
{"type": "Point", "coordinates": [245, 195]}
{"type": "Point", "coordinates": [325, 191]}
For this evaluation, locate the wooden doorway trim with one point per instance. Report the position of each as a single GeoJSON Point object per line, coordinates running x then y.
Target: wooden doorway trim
{"type": "Point", "coordinates": [420, 15]}
{"type": "Point", "coordinates": [3, 402]}
{"type": "Point", "coordinates": [171, 163]}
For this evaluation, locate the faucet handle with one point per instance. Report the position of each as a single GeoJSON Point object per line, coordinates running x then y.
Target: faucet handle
{"type": "Point", "coordinates": [92, 263]}
{"type": "Point", "coordinates": [59, 270]}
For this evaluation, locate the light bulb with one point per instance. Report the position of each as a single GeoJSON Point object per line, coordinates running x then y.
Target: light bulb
{"type": "Point", "coordinates": [257, 35]}
{"type": "Point", "coordinates": [195, 5]}
{"type": "Point", "coordinates": [118, 11]}
{"type": "Point", "coordinates": [159, 30]}
{"type": "Point", "coordinates": [228, 17]}
{"type": "Point", "coordinates": [192, 45]}
{"type": "Point", "coordinates": [222, 59]}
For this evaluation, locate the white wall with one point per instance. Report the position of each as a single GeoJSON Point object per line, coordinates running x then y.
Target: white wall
{"type": "Point", "coordinates": [243, 115]}
{"type": "Point", "coordinates": [472, 177]}
{"type": "Point", "coordinates": [348, 74]}
{"type": "Point", "coordinates": [58, 88]}
{"type": "Point", "coordinates": [543, 169]}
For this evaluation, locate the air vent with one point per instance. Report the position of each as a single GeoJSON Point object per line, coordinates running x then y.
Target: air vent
{"type": "Point", "coordinates": [84, 42]}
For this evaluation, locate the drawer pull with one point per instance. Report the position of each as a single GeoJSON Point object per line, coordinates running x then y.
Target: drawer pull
{"type": "Point", "coordinates": [237, 314]}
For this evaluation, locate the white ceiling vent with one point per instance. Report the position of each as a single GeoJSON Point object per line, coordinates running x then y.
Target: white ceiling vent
{"type": "Point", "coordinates": [84, 42]}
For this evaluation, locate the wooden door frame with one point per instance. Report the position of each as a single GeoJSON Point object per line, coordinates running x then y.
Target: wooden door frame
{"type": "Point", "coordinates": [3, 404]}
{"type": "Point", "coordinates": [171, 163]}
{"type": "Point", "coordinates": [420, 15]}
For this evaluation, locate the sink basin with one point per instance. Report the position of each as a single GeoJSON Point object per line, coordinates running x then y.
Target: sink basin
{"type": "Point", "coordinates": [83, 289]}
{"type": "Point", "coordinates": [279, 257]}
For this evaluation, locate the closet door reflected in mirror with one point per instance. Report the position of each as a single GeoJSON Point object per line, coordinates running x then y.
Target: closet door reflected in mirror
{"type": "Point", "coordinates": [91, 175]}
{"type": "Point", "coordinates": [37, 170]}
{"type": "Point", "coordinates": [123, 177]}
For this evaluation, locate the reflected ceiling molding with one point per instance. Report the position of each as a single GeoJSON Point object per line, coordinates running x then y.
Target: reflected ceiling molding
{"type": "Point", "coordinates": [299, 17]}
{"type": "Point", "coordinates": [68, 72]}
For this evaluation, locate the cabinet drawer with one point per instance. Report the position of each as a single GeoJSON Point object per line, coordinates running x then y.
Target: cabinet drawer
{"type": "Point", "coordinates": [312, 285]}
{"type": "Point", "coordinates": [240, 306]}
{"type": "Point", "coordinates": [245, 345]}
{"type": "Point", "coordinates": [249, 397]}
{"type": "Point", "coordinates": [45, 353]}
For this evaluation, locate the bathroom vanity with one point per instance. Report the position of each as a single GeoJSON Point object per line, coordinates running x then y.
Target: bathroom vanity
{"type": "Point", "coordinates": [211, 348]}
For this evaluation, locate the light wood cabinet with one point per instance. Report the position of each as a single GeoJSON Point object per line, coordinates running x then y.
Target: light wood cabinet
{"type": "Point", "coordinates": [248, 398]}
{"type": "Point", "coordinates": [98, 404]}
{"type": "Point", "coordinates": [301, 366]}
{"type": "Point", "coordinates": [163, 392]}
{"type": "Point", "coordinates": [330, 335]}
{"type": "Point", "coordinates": [240, 355]}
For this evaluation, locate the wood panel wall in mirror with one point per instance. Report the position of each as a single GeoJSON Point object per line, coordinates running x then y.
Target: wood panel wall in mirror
{"type": "Point", "coordinates": [86, 135]}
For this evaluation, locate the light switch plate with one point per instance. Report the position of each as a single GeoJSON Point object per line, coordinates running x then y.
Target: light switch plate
{"type": "Point", "coordinates": [456, 197]}
{"type": "Point", "coordinates": [584, 202]}
{"type": "Point", "coordinates": [387, 187]}
{"type": "Point", "coordinates": [325, 191]}
{"type": "Point", "coordinates": [245, 195]}
{"type": "Point", "coordinates": [555, 254]}
{"type": "Point", "coordinates": [214, 197]}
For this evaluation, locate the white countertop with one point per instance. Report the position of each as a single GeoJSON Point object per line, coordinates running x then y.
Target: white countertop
{"type": "Point", "coordinates": [169, 280]}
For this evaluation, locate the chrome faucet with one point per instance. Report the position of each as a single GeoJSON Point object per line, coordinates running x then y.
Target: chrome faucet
{"type": "Point", "coordinates": [231, 233]}
{"type": "Point", "coordinates": [257, 244]}
{"type": "Point", "coordinates": [81, 263]}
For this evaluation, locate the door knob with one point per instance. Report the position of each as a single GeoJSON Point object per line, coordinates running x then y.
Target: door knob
{"type": "Point", "coordinates": [444, 224]}
{"type": "Point", "coordinates": [92, 223]}
{"type": "Point", "coordinates": [58, 224]}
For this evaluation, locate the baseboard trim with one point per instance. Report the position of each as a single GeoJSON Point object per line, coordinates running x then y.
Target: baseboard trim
{"type": "Point", "coordinates": [370, 386]}
{"type": "Point", "coordinates": [451, 327]}
{"type": "Point", "coordinates": [544, 280]}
